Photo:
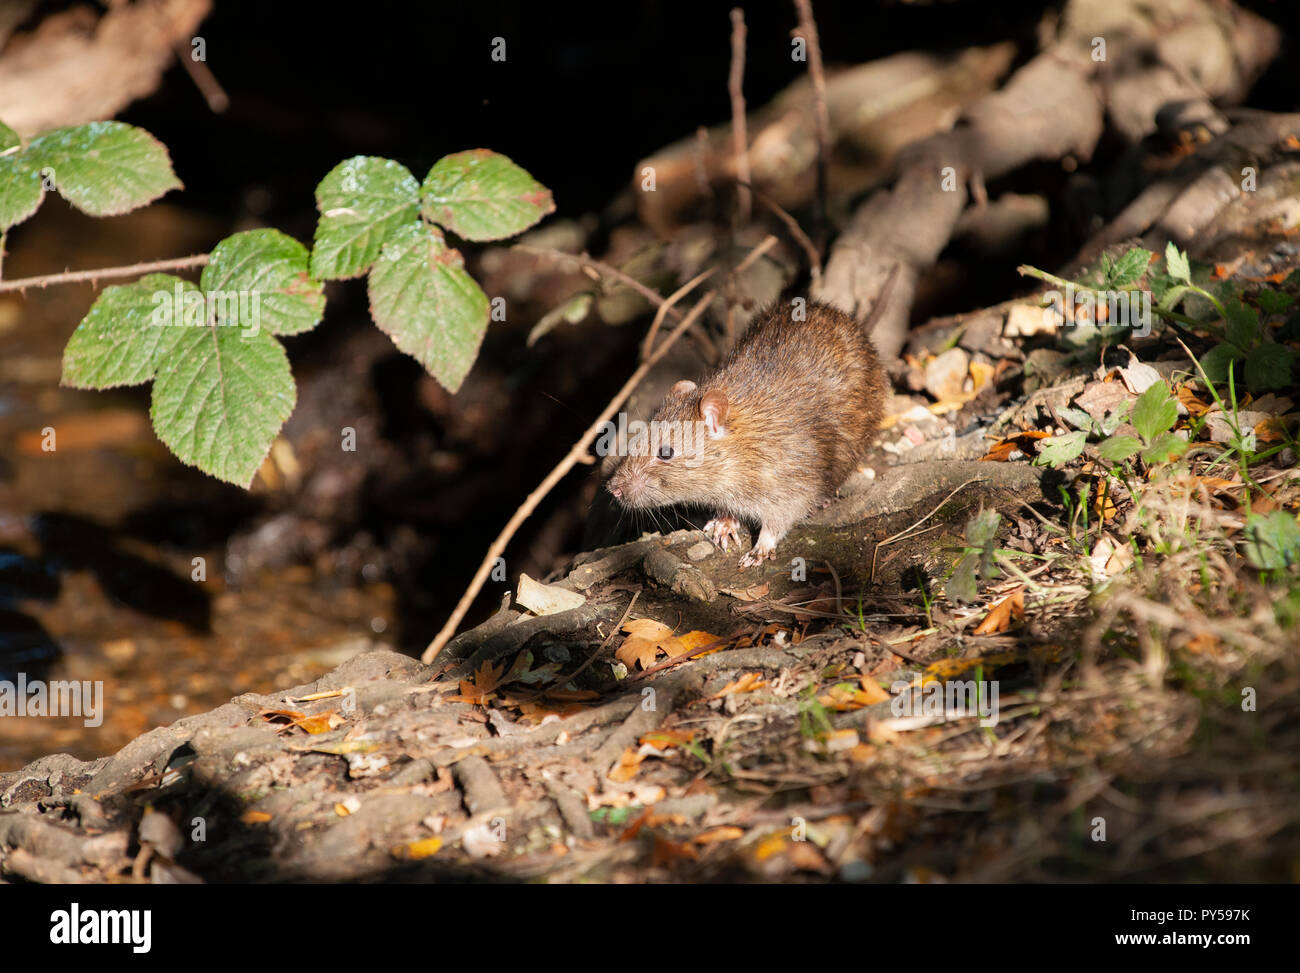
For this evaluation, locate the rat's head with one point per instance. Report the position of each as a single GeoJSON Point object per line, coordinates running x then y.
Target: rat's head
{"type": "Point", "coordinates": [685, 454]}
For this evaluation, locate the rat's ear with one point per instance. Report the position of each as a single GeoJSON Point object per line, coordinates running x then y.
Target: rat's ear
{"type": "Point", "coordinates": [684, 387]}
{"type": "Point", "coordinates": [713, 410]}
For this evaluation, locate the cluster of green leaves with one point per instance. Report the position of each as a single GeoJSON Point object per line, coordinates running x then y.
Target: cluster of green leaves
{"type": "Point", "coordinates": [1246, 345]}
{"type": "Point", "coordinates": [1152, 416]}
{"type": "Point", "coordinates": [376, 219]}
{"type": "Point", "coordinates": [1185, 294]}
{"type": "Point", "coordinates": [222, 387]}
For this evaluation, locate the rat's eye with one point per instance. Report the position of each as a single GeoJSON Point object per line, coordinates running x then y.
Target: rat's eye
{"type": "Point", "coordinates": [665, 452]}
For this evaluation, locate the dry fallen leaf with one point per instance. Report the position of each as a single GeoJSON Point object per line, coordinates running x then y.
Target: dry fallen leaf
{"type": "Point", "coordinates": [416, 850]}
{"type": "Point", "coordinates": [546, 599]}
{"type": "Point", "coordinates": [647, 638]}
{"type": "Point", "coordinates": [628, 765]}
{"type": "Point", "coordinates": [480, 689]}
{"type": "Point", "coordinates": [752, 593]}
{"type": "Point", "coordinates": [999, 617]}
{"type": "Point", "coordinates": [747, 683]}
{"type": "Point", "coordinates": [721, 833]}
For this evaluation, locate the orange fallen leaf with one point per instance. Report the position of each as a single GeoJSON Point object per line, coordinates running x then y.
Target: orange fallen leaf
{"type": "Point", "coordinates": [255, 817]}
{"type": "Point", "coordinates": [715, 835]}
{"type": "Point", "coordinates": [663, 739]}
{"type": "Point", "coordinates": [999, 617]}
{"type": "Point", "coordinates": [628, 766]}
{"type": "Point", "coordinates": [480, 688]}
{"type": "Point", "coordinates": [416, 850]}
{"type": "Point", "coordinates": [1001, 451]}
{"type": "Point", "coordinates": [666, 852]}
{"type": "Point", "coordinates": [747, 683]}
{"type": "Point", "coordinates": [647, 638]}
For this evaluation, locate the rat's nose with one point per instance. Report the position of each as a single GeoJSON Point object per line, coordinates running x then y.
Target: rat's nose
{"type": "Point", "coordinates": [618, 493]}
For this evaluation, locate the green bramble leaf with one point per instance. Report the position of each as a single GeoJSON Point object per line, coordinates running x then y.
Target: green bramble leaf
{"type": "Point", "coordinates": [422, 298]}
{"type": "Point", "coordinates": [482, 195]}
{"type": "Point", "coordinates": [1177, 264]}
{"type": "Point", "coordinates": [1154, 412]}
{"type": "Point", "coordinates": [1215, 362]}
{"type": "Point", "coordinates": [1057, 451]}
{"type": "Point", "coordinates": [1272, 540]}
{"type": "Point", "coordinates": [120, 338]}
{"type": "Point", "coordinates": [363, 201]}
{"type": "Point", "coordinates": [1163, 448]}
{"type": "Point", "coordinates": [1129, 267]}
{"type": "Point", "coordinates": [259, 279]}
{"type": "Point", "coordinates": [20, 182]}
{"type": "Point", "coordinates": [1268, 366]}
{"type": "Point", "coordinates": [1273, 302]}
{"type": "Point", "coordinates": [1116, 449]}
{"type": "Point", "coordinates": [104, 168]}
{"type": "Point", "coordinates": [220, 397]}
{"type": "Point", "coordinates": [1242, 324]}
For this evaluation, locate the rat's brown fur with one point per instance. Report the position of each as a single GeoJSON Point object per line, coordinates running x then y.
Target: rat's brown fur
{"type": "Point", "coordinates": [798, 404]}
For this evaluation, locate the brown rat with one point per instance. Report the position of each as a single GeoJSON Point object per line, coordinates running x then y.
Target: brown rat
{"type": "Point", "coordinates": [771, 434]}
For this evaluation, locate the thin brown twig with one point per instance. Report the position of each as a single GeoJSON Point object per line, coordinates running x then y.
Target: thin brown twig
{"type": "Point", "coordinates": [105, 273]}
{"type": "Point", "coordinates": [571, 460]}
{"type": "Point", "coordinates": [600, 267]}
{"type": "Point", "coordinates": [739, 131]}
{"type": "Point", "coordinates": [907, 530]}
{"type": "Point", "coordinates": [808, 29]}
{"type": "Point", "coordinates": [796, 231]}
{"type": "Point", "coordinates": [599, 649]}
{"type": "Point", "coordinates": [647, 346]}
{"type": "Point", "coordinates": [203, 78]}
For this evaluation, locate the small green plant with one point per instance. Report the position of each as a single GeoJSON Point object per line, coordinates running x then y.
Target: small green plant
{"type": "Point", "coordinates": [1264, 362]}
{"type": "Point", "coordinates": [978, 559]}
{"type": "Point", "coordinates": [222, 386]}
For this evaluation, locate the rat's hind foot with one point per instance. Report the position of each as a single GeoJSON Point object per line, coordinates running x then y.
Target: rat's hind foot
{"type": "Point", "coordinates": [764, 550]}
{"type": "Point", "coordinates": [723, 531]}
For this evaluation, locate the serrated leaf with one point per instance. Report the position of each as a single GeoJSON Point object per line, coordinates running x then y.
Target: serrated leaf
{"type": "Point", "coordinates": [1273, 302]}
{"type": "Point", "coordinates": [1171, 297]}
{"type": "Point", "coordinates": [363, 201]}
{"type": "Point", "coordinates": [482, 195]}
{"type": "Point", "coordinates": [20, 190]}
{"type": "Point", "coordinates": [1215, 362]}
{"type": "Point", "coordinates": [104, 168]}
{"type": "Point", "coordinates": [20, 182]}
{"type": "Point", "coordinates": [120, 338]}
{"type": "Point", "coordinates": [259, 279]}
{"type": "Point", "coordinates": [1129, 267]}
{"type": "Point", "coordinates": [220, 397]}
{"type": "Point", "coordinates": [1154, 412]}
{"type": "Point", "coordinates": [1242, 324]}
{"type": "Point", "coordinates": [1268, 366]}
{"type": "Point", "coordinates": [1056, 451]}
{"type": "Point", "coordinates": [422, 298]}
{"type": "Point", "coordinates": [1116, 449]}
{"type": "Point", "coordinates": [1272, 540]}
{"type": "Point", "coordinates": [1164, 448]}
{"type": "Point", "coordinates": [1177, 264]}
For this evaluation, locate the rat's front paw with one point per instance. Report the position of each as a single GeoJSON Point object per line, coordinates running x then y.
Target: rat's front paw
{"type": "Point", "coordinates": [762, 551]}
{"type": "Point", "coordinates": [723, 531]}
